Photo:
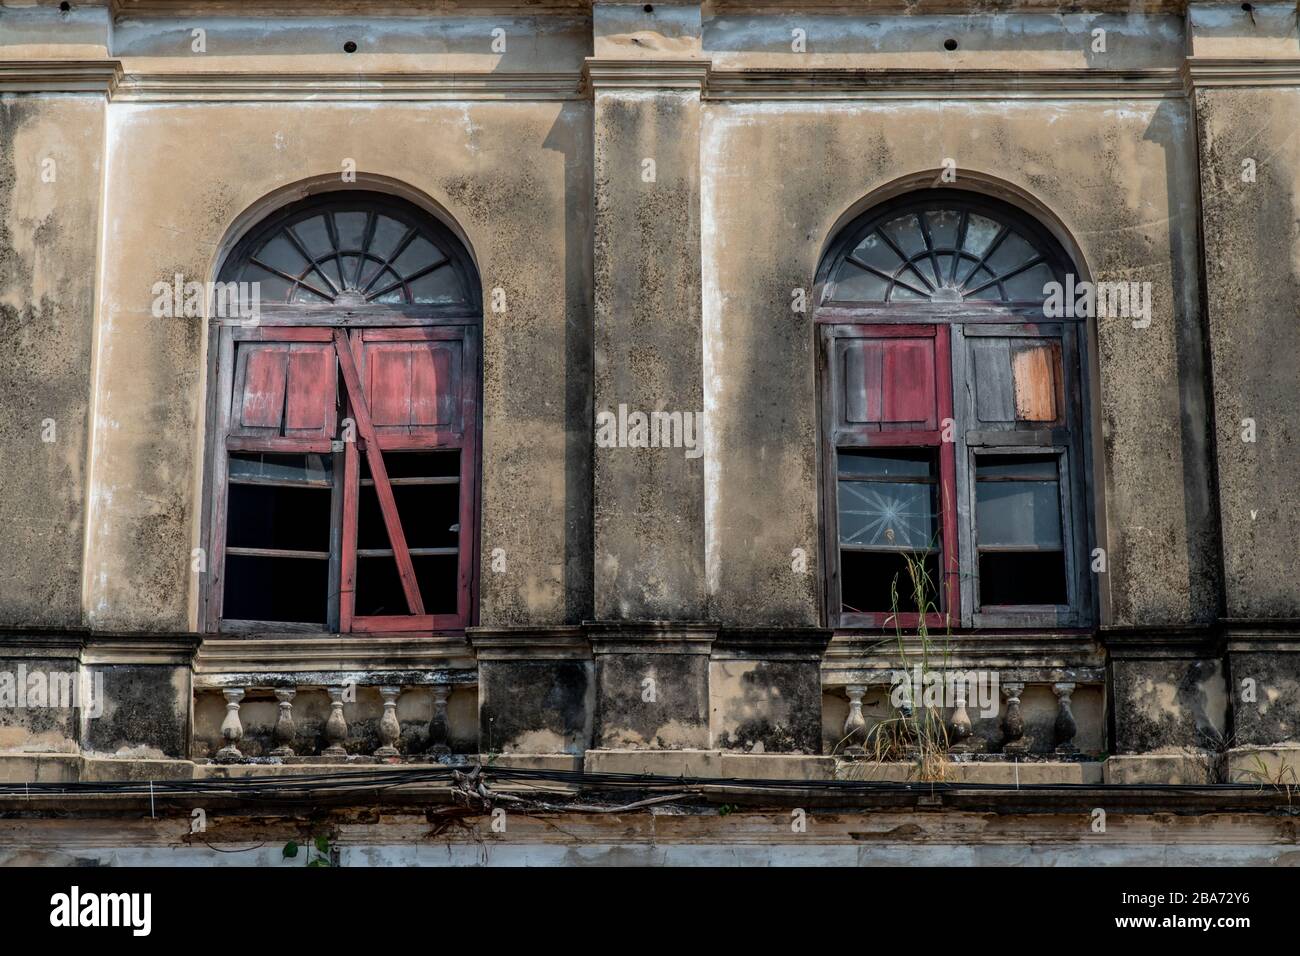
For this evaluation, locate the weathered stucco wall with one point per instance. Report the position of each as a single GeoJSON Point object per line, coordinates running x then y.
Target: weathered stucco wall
{"type": "Point", "coordinates": [649, 502]}
{"type": "Point", "coordinates": [510, 175]}
{"type": "Point", "coordinates": [50, 187]}
{"type": "Point", "coordinates": [1119, 176]}
{"type": "Point", "coordinates": [1252, 237]}
{"type": "Point", "coordinates": [642, 233]}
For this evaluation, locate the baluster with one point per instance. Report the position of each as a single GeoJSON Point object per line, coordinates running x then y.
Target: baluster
{"type": "Point", "coordinates": [959, 728]}
{"type": "Point", "coordinates": [855, 723]}
{"type": "Point", "coordinates": [1066, 727]}
{"type": "Point", "coordinates": [285, 729]}
{"type": "Point", "coordinates": [336, 727]}
{"type": "Point", "coordinates": [231, 729]}
{"type": "Point", "coordinates": [390, 731]}
{"type": "Point", "coordinates": [1013, 721]}
{"type": "Point", "coordinates": [439, 728]}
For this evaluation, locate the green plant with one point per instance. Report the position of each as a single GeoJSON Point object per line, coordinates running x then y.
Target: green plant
{"type": "Point", "coordinates": [1283, 778]}
{"type": "Point", "coordinates": [920, 731]}
{"type": "Point", "coordinates": [321, 857]}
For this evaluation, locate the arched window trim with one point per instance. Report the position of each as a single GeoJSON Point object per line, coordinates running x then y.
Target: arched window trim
{"type": "Point", "coordinates": [361, 343]}
{"type": "Point", "coordinates": [958, 336]}
{"type": "Point", "coordinates": [422, 225]}
{"type": "Point", "coordinates": [828, 308]}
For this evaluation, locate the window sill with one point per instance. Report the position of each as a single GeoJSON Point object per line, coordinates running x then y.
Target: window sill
{"type": "Point", "coordinates": [287, 653]}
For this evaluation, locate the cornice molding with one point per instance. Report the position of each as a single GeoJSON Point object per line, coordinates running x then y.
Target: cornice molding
{"type": "Point", "coordinates": [176, 649]}
{"type": "Point", "coordinates": [686, 73]}
{"type": "Point", "coordinates": [650, 637]}
{"type": "Point", "coordinates": [345, 87]}
{"type": "Point", "coordinates": [369, 8]}
{"type": "Point", "coordinates": [60, 76]}
{"type": "Point", "coordinates": [771, 643]}
{"type": "Point", "coordinates": [863, 84]}
{"type": "Point", "coordinates": [1208, 73]}
{"type": "Point", "coordinates": [561, 642]}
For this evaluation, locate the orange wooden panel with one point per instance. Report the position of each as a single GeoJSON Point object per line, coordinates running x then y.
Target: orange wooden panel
{"type": "Point", "coordinates": [1035, 373]}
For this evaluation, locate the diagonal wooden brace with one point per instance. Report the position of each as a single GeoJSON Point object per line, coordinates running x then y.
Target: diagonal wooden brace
{"type": "Point", "coordinates": [384, 490]}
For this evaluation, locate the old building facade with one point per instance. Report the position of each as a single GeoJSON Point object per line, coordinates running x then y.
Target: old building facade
{"type": "Point", "coordinates": [567, 382]}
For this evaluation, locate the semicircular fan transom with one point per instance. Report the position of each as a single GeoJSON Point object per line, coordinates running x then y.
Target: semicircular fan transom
{"type": "Point", "coordinates": [941, 254]}
{"type": "Point", "coordinates": [354, 255]}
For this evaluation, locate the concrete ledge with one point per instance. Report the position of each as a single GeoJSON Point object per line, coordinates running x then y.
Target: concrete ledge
{"type": "Point", "coordinates": [101, 769]}
{"type": "Point", "coordinates": [777, 767]}
{"type": "Point", "coordinates": [670, 763]}
{"type": "Point", "coordinates": [1027, 772]}
{"type": "Point", "coordinates": [566, 762]}
{"type": "Point", "coordinates": [40, 768]}
{"type": "Point", "coordinates": [1184, 768]}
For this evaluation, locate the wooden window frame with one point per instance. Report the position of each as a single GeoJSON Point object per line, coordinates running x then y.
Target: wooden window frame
{"type": "Point", "coordinates": [1066, 441]}
{"type": "Point", "coordinates": [1070, 440]}
{"type": "Point", "coordinates": [840, 436]}
{"type": "Point", "coordinates": [347, 327]}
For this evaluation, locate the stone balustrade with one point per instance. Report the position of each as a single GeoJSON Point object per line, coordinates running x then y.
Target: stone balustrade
{"type": "Point", "coordinates": [970, 722]}
{"type": "Point", "coordinates": [330, 721]}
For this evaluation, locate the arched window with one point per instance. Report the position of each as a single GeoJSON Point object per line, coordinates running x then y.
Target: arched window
{"type": "Point", "coordinates": [344, 423]}
{"type": "Point", "coordinates": [954, 428]}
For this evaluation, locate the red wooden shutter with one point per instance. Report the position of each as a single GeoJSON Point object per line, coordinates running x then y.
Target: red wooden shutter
{"type": "Point", "coordinates": [413, 384]}
{"type": "Point", "coordinates": [418, 389]}
{"type": "Point", "coordinates": [891, 387]}
{"type": "Point", "coordinates": [889, 379]}
{"type": "Point", "coordinates": [285, 385]}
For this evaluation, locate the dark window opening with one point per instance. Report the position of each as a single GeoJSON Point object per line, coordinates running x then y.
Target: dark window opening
{"type": "Point", "coordinates": [888, 530]}
{"type": "Point", "coordinates": [873, 579]}
{"type": "Point", "coordinates": [1018, 530]}
{"type": "Point", "coordinates": [1011, 578]}
{"type": "Point", "coordinates": [276, 589]}
{"type": "Point", "coordinates": [426, 489]}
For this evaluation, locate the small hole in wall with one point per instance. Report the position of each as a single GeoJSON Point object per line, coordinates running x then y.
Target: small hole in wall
{"type": "Point", "coordinates": [649, 8]}
{"type": "Point", "coordinates": [950, 44]}
{"type": "Point", "coordinates": [349, 47]}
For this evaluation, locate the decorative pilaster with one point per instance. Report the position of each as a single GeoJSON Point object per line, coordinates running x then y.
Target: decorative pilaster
{"type": "Point", "coordinates": [284, 725]}
{"type": "Point", "coordinates": [336, 727]}
{"type": "Point", "coordinates": [855, 724]}
{"type": "Point", "coordinates": [648, 499]}
{"type": "Point", "coordinates": [231, 729]}
{"type": "Point", "coordinates": [439, 743]}
{"type": "Point", "coordinates": [1066, 727]}
{"type": "Point", "coordinates": [1013, 721]}
{"type": "Point", "coordinates": [390, 731]}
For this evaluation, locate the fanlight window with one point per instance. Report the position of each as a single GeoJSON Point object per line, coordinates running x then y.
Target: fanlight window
{"type": "Point", "coordinates": [940, 253]}
{"type": "Point", "coordinates": [352, 253]}
{"type": "Point", "coordinates": [955, 440]}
